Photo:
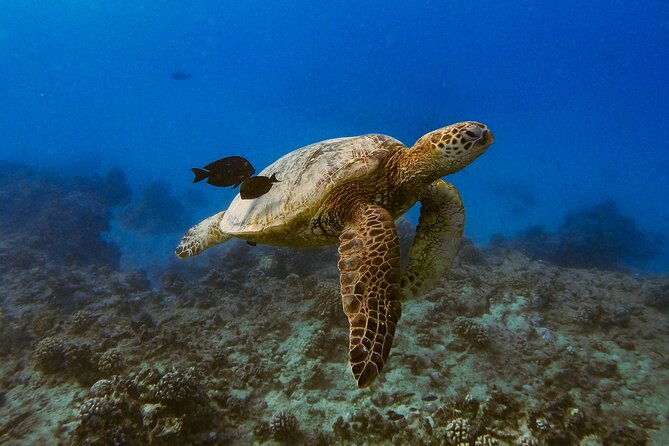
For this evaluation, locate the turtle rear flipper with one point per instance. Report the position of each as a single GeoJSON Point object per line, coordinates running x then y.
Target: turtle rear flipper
{"type": "Point", "coordinates": [203, 235]}
{"type": "Point", "coordinates": [369, 268]}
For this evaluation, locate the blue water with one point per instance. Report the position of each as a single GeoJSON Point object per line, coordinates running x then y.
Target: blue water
{"type": "Point", "coordinates": [574, 91]}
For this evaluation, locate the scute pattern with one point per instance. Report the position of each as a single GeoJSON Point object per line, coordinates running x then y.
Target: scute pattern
{"type": "Point", "coordinates": [306, 177]}
{"type": "Point", "coordinates": [369, 268]}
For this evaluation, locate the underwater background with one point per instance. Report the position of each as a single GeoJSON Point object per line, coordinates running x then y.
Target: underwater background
{"type": "Point", "coordinates": [551, 328]}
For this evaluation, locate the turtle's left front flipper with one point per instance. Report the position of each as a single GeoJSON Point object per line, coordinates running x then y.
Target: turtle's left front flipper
{"type": "Point", "coordinates": [438, 237]}
{"type": "Point", "coordinates": [202, 236]}
{"type": "Point", "coordinates": [369, 267]}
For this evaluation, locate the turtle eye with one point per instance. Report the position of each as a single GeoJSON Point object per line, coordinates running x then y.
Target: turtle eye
{"type": "Point", "coordinates": [472, 132]}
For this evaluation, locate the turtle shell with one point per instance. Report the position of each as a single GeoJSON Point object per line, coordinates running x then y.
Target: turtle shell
{"type": "Point", "coordinates": [306, 177]}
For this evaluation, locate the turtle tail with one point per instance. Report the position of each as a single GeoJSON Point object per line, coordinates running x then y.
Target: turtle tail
{"type": "Point", "coordinates": [199, 174]}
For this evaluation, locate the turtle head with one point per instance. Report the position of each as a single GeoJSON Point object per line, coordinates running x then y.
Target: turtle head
{"type": "Point", "coordinates": [453, 147]}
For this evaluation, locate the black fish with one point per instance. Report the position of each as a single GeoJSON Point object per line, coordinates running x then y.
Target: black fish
{"type": "Point", "coordinates": [228, 171]}
{"type": "Point", "coordinates": [180, 76]}
{"type": "Point", "coordinates": [256, 186]}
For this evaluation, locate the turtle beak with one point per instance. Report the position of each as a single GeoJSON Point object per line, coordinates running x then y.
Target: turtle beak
{"type": "Point", "coordinates": [486, 138]}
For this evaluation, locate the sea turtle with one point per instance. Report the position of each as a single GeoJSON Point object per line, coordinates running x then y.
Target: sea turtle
{"type": "Point", "coordinates": [351, 190]}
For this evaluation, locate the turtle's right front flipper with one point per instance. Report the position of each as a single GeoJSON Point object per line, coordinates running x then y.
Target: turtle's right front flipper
{"type": "Point", "coordinates": [369, 268]}
{"type": "Point", "coordinates": [438, 236]}
{"type": "Point", "coordinates": [203, 235]}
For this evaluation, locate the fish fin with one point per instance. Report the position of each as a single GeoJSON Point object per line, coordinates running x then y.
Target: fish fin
{"type": "Point", "coordinates": [199, 174]}
{"type": "Point", "coordinates": [273, 178]}
{"type": "Point", "coordinates": [244, 191]}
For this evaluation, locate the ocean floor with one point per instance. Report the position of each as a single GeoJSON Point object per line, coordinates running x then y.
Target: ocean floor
{"type": "Point", "coordinates": [248, 345]}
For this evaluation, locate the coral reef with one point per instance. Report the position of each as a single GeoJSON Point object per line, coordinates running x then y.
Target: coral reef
{"type": "Point", "coordinates": [13, 335]}
{"type": "Point", "coordinates": [658, 298]}
{"type": "Point", "coordinates": [81, 321]}
{"type": "Point", "coordinates": [596, 237]}
{"type": "Point", "coordinates": [149, 407]}
{"type": "Point", "coordinates": [180, 390]}
{"type": "Point", "coordinates": [252, 350]}
{"type": "Point", "coordinates": [486, 440]}
{"type": "Point", "coordinates": [284, 427]}
{"type": "Point", "coordinates": [50, 354]}
{"type": "Point", "coordinates": [44, 214]}
{"type": "Point", "coordinates": [66, 359]}
{"type": "Point", "coordinates": [458, 432]}
{"type": "Point", "coordinates": [156, 212]}
{"type": "Point", "coordinates": [109, 420]}
{"type": "Point", "coordinates": [110, 363]}
{"type": "Point", "coordinates": [470, 330]}
{"type": "Point", "coordinates": [326, 301]}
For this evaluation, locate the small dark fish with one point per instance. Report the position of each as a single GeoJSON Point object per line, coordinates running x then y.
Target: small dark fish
{"type": "Point", "coordinates": [180, 76]}
{"type": "Point", "coordinates": [256, 186]}
{"type": "Point", "coordinates": [228, 171]}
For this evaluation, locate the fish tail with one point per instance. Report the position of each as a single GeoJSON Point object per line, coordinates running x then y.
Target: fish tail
{"type": "Point", "coordinates": [199, 174]}
{"type": "Point", "coordinates": [273, 178]}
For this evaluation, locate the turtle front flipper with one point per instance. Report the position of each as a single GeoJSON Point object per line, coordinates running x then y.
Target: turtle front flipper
{"type": "Point", "coordinates": [369, 267]}
{"type": "Point", "coordinates": [203, 235]}
{"type": "Point", "coordinates": [438, 236]}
